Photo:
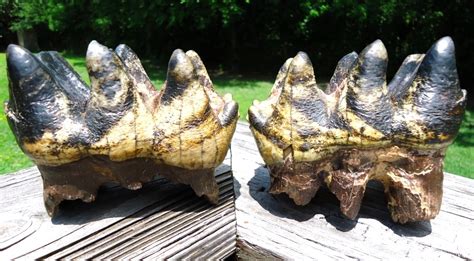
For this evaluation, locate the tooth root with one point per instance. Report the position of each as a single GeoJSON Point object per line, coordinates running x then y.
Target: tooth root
{"type": "Point", "coordinates": [413, 195]}
{"type": "Point", "coordinates": [367, 94]}
{"type": "Point", "coordinates": [436, 91]}
{"type": "Point", "coordinates": [301, 189]}
{"type": "Point", "coordinates": [68, 80]}
{"type": "Point", "coordinates": [402, 80]}
{"type": "Point", "coordinates": [349, 188]}
{"type": "Point", "coordinates": [36, 103]}
{"type": "Point", "coordinates": [342, 70]}
{"type": "Point", "coordinates": [135, 70]}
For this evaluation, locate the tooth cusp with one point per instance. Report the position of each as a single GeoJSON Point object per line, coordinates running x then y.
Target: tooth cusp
{"type": "Point", "coordinates": [361, 129]}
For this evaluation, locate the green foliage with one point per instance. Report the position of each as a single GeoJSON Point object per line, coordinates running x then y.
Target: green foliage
{"type": "Point", "coordinates": [234, 33]}
{"type": "Point", "coordinates": [29, 14]}
{"type": "Point", "coordinates": [6, 17]}
{"type": "Point", "coordinates": [461, 152]}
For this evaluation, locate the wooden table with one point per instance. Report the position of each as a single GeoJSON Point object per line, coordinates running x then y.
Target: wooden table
{"type": "Point", "coordinates": [164, 220]}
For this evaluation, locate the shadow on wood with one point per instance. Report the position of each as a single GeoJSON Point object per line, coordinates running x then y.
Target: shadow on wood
{"type": "Point", "coordinates": [325, 203]}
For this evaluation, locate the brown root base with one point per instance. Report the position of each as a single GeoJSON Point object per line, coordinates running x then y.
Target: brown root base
{"type": "Point", "coordinates": [82, 179]}
{"type": "Point", "coordinates": [412, 180]}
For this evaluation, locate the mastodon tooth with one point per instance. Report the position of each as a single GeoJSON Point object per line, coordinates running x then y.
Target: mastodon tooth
{"type": "Point", "coordinates": [362, 129]}
{"type": "Point", "coordinates": [121, 129]}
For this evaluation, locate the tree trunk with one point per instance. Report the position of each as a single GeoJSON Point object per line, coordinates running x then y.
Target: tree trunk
{"type": "Point", "coordinates": [28, 39]}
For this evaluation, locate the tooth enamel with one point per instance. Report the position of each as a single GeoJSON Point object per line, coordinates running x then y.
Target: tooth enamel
{"type": "Point", "coordinates": [122, 129]}
{"type": "Point", "coordinates": [340, 73]}
{"type": "Point", "coordinates": [360, 130]}
{"type": "Point", "coordinates": [404, 76]}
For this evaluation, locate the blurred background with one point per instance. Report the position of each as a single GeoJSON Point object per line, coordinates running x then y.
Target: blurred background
{"type": "Point", "coordinates": [242, 43]}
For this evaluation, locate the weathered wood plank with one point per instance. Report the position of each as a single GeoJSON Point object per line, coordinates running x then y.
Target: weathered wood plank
{"type": "Point", "coordinates": [120, 223]}
{"type": "Point", "coordinates": [272, 226]}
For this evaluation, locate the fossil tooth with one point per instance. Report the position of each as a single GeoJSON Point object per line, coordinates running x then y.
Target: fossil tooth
{"type": "Point", "coordinates": [121, 129]}
{"type": "Point", "coordinates": [360, 129]}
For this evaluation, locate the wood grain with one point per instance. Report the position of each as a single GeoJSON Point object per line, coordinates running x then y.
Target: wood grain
{"type": "Point", "coordinates": [162, 219]}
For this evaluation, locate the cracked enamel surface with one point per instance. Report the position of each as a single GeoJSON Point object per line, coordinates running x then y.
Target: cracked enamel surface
{"type": "Point", "coordinates": [362, 128]}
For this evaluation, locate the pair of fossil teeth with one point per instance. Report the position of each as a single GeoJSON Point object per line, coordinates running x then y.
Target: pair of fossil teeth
{"type": "Point", "coordinates": [362, 128]}
{"type": "Point", "coordinates": [121, 129]}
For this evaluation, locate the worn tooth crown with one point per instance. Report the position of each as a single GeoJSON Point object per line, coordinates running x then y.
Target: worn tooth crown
{"type": "Point", "coordinates": [362, 129]}
{"type": "Point", "coordinates": [121, 129]}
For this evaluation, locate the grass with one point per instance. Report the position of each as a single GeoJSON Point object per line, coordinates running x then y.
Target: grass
{"type": "Point", "coordinates": [460, 156]}
{"type": "Point", "coordinates": [459, 159]}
